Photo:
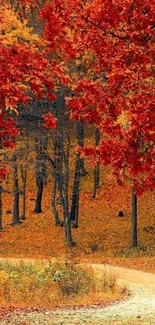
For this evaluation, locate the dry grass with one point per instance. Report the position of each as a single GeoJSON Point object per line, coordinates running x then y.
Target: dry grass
{"type": "Point", "coordinates": [55, 284]}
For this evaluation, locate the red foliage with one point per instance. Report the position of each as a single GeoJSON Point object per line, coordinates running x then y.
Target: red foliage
{"type": "Point", "coordinates": [120, 37]}
{"type": "Point", "coordinates": [50, 121]}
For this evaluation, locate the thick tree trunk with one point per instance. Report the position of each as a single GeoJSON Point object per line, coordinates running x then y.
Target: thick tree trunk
{"type": "Point", "coordinates": [97, 167]}
{"type": "Point", "coordinates": [1, 223]}
{"type": "Point", "coordinates": [75, 193]}
{"type": "Point", "coordinates": [134, 219]}
{"type": "Point", "coordinates": [39, 195]}
{"type": "Point", "coordinates": [16, 219]}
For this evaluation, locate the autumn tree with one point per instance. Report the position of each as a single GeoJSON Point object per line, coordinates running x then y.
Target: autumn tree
{"type": "Point", "coordinates": [110, 44]}
{"type": "Point", "coordinates": [25, 72]}
{"type": "Point", "coordinates": [119, 38]}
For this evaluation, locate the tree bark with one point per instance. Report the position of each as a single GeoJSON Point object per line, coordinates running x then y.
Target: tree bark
{"type": "Point", "coordinates": [80, 138]}
{"type": "Point", "coordinates": [16, 219]}
{"type": "Point", "coordinates": [24, 168]}
{"type": "Point", "coordinates": [54, 209]}
{"type": "Point", "coordinates": [67, 217]}
{"type": "Point", "coordinates": [134, 219]}
{"type": "Point", "coordinates": [38, 205]}
{"type": "Point", "coordinates": [68, 231]}
{"type": "Point", "coordinates": [75, 193]}
{"type": "Point", "coordinates": [63, 186]}
{"type": "Point", "coordinates": [59, 144]}
{"type": "Point", "coordinates": [41, 174]}
{"type": "Point", "coordinates": [24, 179]}
{"type": "Point", "coordinates": [61, 168]}
{"type": "Point", "coordinates": [97, 167]}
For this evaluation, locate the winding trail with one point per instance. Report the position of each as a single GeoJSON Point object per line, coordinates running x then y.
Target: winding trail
{"type": "Point", "coordinates": [139, 308]}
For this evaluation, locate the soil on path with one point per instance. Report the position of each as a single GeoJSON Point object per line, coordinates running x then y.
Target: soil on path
{"type": "Point", "coordinates": [139, 309]}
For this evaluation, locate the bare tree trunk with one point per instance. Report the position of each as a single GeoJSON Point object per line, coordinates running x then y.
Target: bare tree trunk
{"type": "Point", "coordinates": [16, 219]}
{"type": "Point", "coordinates": [63, 186]}
{"type": "Point", "coordinates": [67, 216]}
{"type": "Point", "coordinates": [41, 173]}
{"type": "Point", "coordinates": [79, 171]}
{"type": "Point", "coordinates": [68, 231]}
{"type": "Point", "coordinates": [44, 147]}
{"type": "Point", "coordinates": [24, 180]}
{"type": "Point", "coordinates": [134, 219]}
{"type": "Point", "coordinates": [37, 154]}
{"type": "Point", "coordinates": [80, 138]}
{"type": "Point", "coordinates": [38, 205]}
{"type": "Point", "coordinates": [54, 209]}
{"type": "Point", "coordinates": [24, 169]}
{"type": "Point", "coordinates": [67, 222]}
{"type": "Point", "coordinates": [60, 166]}
{"type": "Point", "coordinates": [75, 193]}
{"type": "Point", "coordinates": [59, 144]}
{"type": "Point", "coordinates": [97, 167]}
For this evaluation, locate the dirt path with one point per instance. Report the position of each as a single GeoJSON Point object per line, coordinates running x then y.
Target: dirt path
{"type": "Point", "coordinates": [139, 309]}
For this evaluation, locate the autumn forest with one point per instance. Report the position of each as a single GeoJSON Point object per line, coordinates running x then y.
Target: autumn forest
{"type": "Point", "coordinates": [77, 131]}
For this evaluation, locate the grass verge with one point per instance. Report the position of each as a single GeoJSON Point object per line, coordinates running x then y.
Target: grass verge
{"type": "Point", "coordinates": [56, 284]}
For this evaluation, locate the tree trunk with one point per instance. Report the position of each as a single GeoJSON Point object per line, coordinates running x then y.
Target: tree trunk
{"type": "Point", "coordinates": [24, 168]}
{"type": "Point", "coordinates": [59, 149]}
{"type": "Point", "coordinates": [61, 168]}
{"type": "Point", "coordinates": [64, 197]}
{"type": "Point", "coordinates": [39, 195]}
{"type": "Point", "coordinates": [97, 167]}
{"type": "Point", "coordinates": [68, 231]}
{"type": "Point", "coordinates": [134, 219]}
{"type": "Point", "coordinates": [1, 223]}
{"type": "Point", "coordinates": [41, 174]}
{"type": "Point", "coordinates": [44, 146]}
{"type": "Point", "coordinates": [80, 138]}
{"type": "Point", "coordinates": [67, 218]}
{"type": "Point", "coordinates": [24, 179]}
{"type": "Point", "coordinates": [16, 219]}
{"type": "Point", "coordinates": [75, 193]}
{"type": "Point", "coordinates": [54, 209]}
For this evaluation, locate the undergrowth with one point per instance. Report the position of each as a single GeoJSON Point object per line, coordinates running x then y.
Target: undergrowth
{"type": "Point", "coordinates": [55, 284]}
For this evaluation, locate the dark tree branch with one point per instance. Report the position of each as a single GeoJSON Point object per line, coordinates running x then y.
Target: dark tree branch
{"type": "Point", "coordinates": [105, 31]}
{"type": "Point", "coordinates": [131, 7]}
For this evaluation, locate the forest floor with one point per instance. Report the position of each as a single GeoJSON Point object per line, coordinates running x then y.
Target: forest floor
{"type": "Point", "coordinates": [102, 236]}
{"type": "Point", "coordinates": [138, 309]}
